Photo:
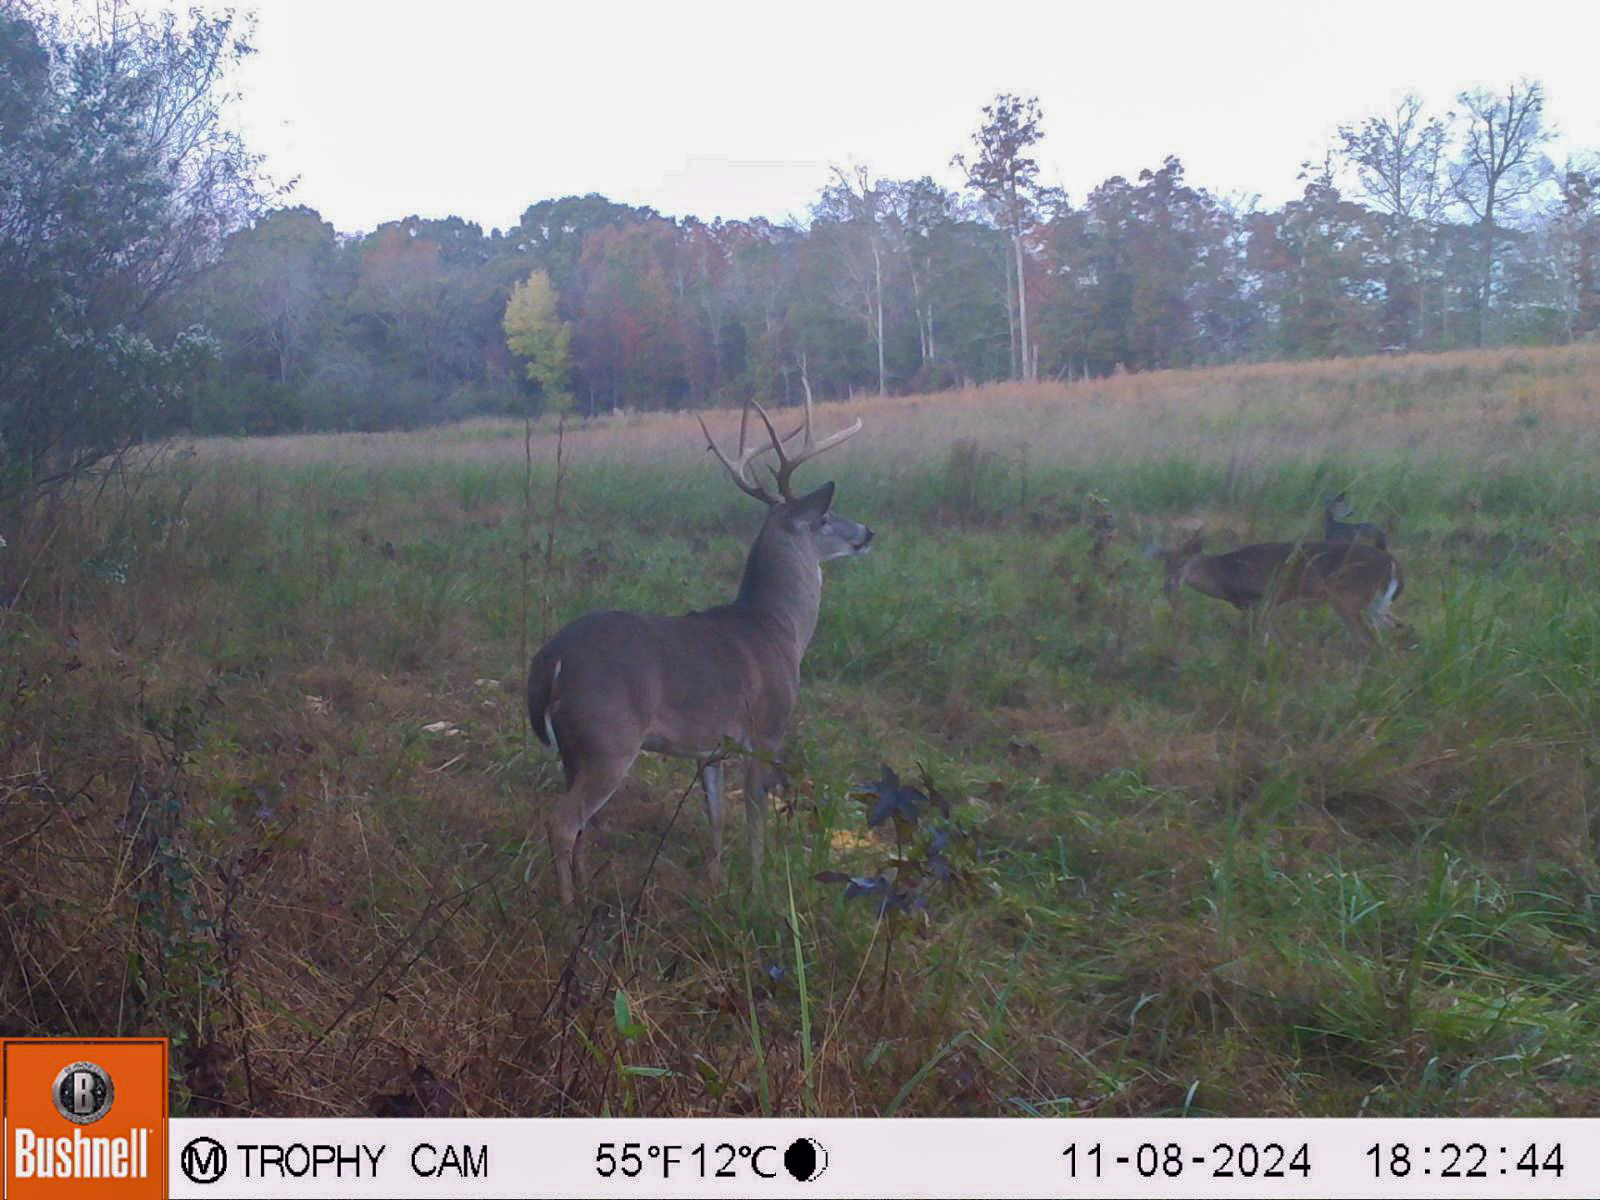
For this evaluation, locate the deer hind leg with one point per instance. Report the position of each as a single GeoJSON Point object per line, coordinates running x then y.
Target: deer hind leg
{"type": "Point", "coordinates": [1352, 613]}
{"type": "Point", "coordinates": [592, 784]}
{"type": "Point", "coordinates": [711, 780]}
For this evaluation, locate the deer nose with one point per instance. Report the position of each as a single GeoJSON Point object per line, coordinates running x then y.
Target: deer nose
{"type": "Point", "coordinates": [866, 538]}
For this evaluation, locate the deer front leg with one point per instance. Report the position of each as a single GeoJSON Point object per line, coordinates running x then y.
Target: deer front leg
{"type": "Point", "coordinates": [755, 814]}
{"type": "Point", "coordinates": [711, 780]}
{"type": "Point", "coordinates": [1253, 622]}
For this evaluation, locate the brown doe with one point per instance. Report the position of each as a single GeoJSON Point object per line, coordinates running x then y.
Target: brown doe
{"type": "Point", "coordinates": [1359, 582]}
{"type": "Point", "coordinates": [611, 684]}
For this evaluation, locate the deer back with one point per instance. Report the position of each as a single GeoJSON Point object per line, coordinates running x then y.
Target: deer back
{"type": "Point", "coordinates": [1289, 572]}
{"type": "Point", "coordinates": [1335, 530]}
{"type": "Point", "coordinates": [1318, 570]}
{"type": "Point", "coordinates": [680, 685]}
{"type": "Point", "coordinates": [616, 682]}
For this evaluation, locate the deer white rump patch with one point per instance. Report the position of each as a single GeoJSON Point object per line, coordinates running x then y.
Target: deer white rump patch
{"type": "Point", "coordinates": [1378, 610]}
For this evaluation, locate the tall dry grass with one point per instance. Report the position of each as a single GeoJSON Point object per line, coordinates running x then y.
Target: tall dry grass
{"type": "Point", "coordinates": [1475, 403]}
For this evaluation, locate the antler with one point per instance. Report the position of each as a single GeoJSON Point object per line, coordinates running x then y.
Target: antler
{"type": "Point", "coordinates": [744, 457]}
{"type": "Point", "coordinates": [809, 449]}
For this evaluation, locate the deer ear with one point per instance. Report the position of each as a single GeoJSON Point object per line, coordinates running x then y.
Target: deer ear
{"type": "Point", "coordinates": [814, 504]}
{"type": "Point", "coordinates": [1193, 543]}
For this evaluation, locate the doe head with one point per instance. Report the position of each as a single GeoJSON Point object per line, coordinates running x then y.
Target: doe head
{"type": "Point", "coordinates": [1175, 561]}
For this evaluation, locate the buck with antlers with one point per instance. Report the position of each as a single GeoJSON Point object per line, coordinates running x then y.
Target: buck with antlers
{"type": "Point", "coordinates": [1359, 582]}
{"type": "Point", "coordinates": [611, 684]}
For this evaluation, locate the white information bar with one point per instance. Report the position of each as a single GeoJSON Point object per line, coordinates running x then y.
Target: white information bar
{"type": "Point", "coordinates": [444, 1158]}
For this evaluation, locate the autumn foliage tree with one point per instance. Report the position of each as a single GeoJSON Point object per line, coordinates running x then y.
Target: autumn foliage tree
{"type": "Point", "coordinates": [633, 339]}
{"type": "Point", "coordinates": [534, 332]}
{"type": "Point", "coordinates": [1575, 244]}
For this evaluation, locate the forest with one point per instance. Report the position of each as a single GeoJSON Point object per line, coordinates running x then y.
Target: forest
{"type": "Point", "coordinates": [1419, 231]}
{"type": "Point", "coordinates": [161, 282]}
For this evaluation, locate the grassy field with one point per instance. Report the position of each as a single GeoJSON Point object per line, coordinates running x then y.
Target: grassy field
{"type": "Point", "coordinates": [265, 782]}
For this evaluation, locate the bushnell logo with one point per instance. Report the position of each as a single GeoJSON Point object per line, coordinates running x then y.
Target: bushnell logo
{"type": "Point", "coordinates": [83, 1093]}
{"type": "Point", "coordinates": [74, 1134]}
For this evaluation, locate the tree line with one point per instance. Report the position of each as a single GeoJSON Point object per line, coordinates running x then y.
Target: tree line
{"type": "Point", "coordinates": [1419, 230]}
{"type": "Point", "coordinates": [154, 282]}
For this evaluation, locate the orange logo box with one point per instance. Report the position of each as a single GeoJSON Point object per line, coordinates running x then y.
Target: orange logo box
{"type": "Point", "coordinates": [84, 1118]}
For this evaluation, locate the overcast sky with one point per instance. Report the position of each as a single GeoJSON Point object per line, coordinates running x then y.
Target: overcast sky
{"type": "Point", "coordinates": [382, 108]}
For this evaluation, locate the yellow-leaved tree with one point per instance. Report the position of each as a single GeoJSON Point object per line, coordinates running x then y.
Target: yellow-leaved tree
{"type": "Point", "coordinates": [536, 333]}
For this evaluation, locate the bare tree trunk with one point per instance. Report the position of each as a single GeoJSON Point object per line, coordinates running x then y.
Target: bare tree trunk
{"type": "Point", "coordinates": [1011, 319]}
{"type": "Point", "coordinates": [916, 304]}
{"type": "Point", "coordinates": [1028, 369]}
{"type": "Point", "coordinates": [877, 282]}
{"type": "Point", "coordinates": [1486, 282]}
{"type": "Point", "coordinates": [1419, 271]}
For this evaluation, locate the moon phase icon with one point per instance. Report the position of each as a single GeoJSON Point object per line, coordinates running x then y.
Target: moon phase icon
{"type": "Point", "coordinates": [805, 1159]}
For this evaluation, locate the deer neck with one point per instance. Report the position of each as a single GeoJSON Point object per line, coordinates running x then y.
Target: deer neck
{"type": "Point", "coordinates": [783, 584]}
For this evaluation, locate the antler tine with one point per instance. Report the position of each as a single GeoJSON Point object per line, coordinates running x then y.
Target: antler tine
{"type": "Point", "coordinates": [744, 421]}
{"type": "Point", "coordinates": [787, 438]}
{"type": "Point", "coordinates": [739, 466]}
{"type": "Point", "coordinates": [737, 469]}
{"type": "Point", "coordinates": [832, 440]}
{"type": "Point", "coordinates": [809, 448]}
{"type": "Point", "coordinates": [805, 381]}
{"type": "Point", "coordinates": [774, 442]}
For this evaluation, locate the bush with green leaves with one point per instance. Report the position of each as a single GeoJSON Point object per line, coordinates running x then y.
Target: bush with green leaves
{"type": "Point", "coordinates": [118, 178]}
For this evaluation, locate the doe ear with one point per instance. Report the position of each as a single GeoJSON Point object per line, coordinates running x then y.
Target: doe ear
{"type": "Point", "coordinates": [1193, 543]}
{"type": "Point", "coordinates": [814, 504]}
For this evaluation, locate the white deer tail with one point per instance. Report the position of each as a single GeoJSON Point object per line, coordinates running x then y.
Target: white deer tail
{"type": "Point", "coordinates": [542, 704]}
{"type": "Point", "coordinates": [1380, 606]}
